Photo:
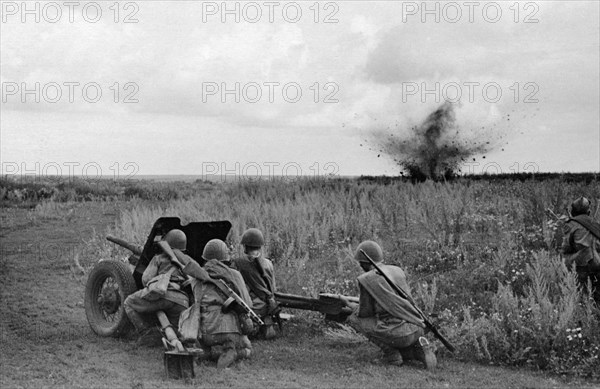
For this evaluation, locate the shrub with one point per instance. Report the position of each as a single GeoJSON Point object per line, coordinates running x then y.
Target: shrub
{"type": "Point", "coordinates": [540, 327]}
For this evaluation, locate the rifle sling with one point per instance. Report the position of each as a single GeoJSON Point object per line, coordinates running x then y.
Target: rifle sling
{"type": "Point", "coordinates": [261, 271]}
{"type": "Point", "coordinates": [593, 228]}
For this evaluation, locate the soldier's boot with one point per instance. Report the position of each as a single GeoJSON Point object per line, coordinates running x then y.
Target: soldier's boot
{"type": "Point", "coordinates": [425, 352]}
{"type": "Point", "coordinates": [244, 348]}
{"type": "Point", "coordinates": [149, 337]}
{"type": "Point", "coordinates": [244, 353]}
{"type": "Point", "coordinates": [408, 353]}
{"type": "Point", "coordinates": [139, 321]}
{"type": "Point", "coordinates": [227, 358]}
{"type": "Point", "coordinates": [216, 352]}
{"type": "Point", "coordinates": [268, 330]}
{"type": "Point", "coordinates": [392, 356]}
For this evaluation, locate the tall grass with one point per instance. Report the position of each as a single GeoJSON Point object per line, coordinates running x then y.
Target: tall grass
{"type": "Point", "coordinates": [482, 254]}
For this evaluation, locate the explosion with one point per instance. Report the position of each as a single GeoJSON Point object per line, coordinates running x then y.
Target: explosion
{"type": "Point", "coordinates": [435, 148]}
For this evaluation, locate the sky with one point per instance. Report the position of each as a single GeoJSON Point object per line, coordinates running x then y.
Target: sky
{"type": "Point", "coordinates": [293, 88]}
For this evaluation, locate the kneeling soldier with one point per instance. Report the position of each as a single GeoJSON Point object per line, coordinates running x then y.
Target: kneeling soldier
{"type": "Point", "coordinates": [141, 306]}
{"type": "Point", "coordinates": [260, 278]}
{"type": "Point", "coordinates": [220, 332]}
{"type": "Point", "coordinates": [581, 245]}
{"type": "Point", "coordinates": [384, 317]}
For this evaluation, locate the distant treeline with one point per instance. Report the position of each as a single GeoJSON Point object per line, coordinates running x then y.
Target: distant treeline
{"type": "Point", "coordinates": [27, 191]}
{"type": "Point", "coordinates": [31, 190]}
{"type": "Point", "coordinates": [583, 178]}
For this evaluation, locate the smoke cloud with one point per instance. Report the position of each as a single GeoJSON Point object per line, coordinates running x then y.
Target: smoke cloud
{"type": "Point", "coordinates": [435, 148]}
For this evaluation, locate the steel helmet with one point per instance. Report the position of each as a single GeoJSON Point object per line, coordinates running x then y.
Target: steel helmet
{"type": "Point", "coordinates": [581, 206]}
{"type": "Point", "coordinates": [253, 237]}
{"type": "Point", "coordinates": [372, 249]}
{"type": "Point", "coordinates": [176, 239]}
{"type": "Point", "coordinates": [215, 249]}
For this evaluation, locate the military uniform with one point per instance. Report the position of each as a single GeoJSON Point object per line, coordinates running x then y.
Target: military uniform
{"type": "Point", "coordinates": [142, 312]}
{"type": "Point", "coordinates": [385, 318]}
{"type": "Point", "coordinates": [581, 248]}
{"type": "Point", "coordinates": [219, 332]}
{"type": "Point", "coordinates": [260, 279]}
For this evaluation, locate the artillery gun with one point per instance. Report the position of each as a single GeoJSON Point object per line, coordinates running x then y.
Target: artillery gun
{"type": "Point", "coordinates": [111, 281]}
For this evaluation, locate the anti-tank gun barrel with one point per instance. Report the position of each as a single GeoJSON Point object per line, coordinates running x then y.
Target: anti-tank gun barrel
{"type": "Point", "coordinates": [329, 304]}
{"type": "Point", "coordinates": [134, 248]}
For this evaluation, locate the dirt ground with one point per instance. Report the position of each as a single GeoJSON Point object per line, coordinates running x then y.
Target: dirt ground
{"type": "Point", "coordinates": [45, 340]}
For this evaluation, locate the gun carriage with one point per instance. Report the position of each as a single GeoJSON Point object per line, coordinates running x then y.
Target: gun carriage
{"type": "Point", "coordinates": [111, 281]}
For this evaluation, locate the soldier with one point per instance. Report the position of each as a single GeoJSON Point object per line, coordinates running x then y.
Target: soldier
{"type": "Point", "coordinates": [384, 317]}
{"type": "Point", "coordinates": [260, 279]}
{"type": "Point", "coordinates": [581, 244]}
{"type": "Point", "coordinates": [141, 307]}
{"type": "Point", "coordinates": [220, 333]}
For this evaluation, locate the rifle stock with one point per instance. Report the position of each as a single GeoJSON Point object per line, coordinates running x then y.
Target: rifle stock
{"type": "Point", "coordinates": [407, 297]}
{"type": "Point", "coordinates": [166, 248]}
{"type": "Point", "coordinates": [558, 218]}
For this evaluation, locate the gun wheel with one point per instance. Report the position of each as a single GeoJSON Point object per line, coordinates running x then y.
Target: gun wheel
{"type": "Point", "coordinates": [108, 285]}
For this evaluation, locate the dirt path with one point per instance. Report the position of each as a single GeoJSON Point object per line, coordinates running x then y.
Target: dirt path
{"type": "Point", "coordinates": [46, 341]}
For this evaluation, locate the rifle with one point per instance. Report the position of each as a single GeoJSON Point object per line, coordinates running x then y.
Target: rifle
{"type": "Point", "coordinates": [166, 248]}
{"type": "Point", "coordinates": [407, 297]}
{"type": "Point", "coordinates": [232, 296]}
{"type": "Point", "coordinates": [561, 218]}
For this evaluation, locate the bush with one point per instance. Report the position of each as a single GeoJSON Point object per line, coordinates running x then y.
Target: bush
{"type": "Point", "coordinates": [549, 326]}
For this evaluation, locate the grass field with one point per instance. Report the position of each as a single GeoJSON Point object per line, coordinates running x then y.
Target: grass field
{"type": "Point", "coordinates": [467, 247]}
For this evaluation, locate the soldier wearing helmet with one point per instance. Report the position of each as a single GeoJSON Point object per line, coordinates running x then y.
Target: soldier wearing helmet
{"type": "Point", "coordinates": [581, 244]}
{"type": "Point", "coordinates": [219, 331]}
{"type": "Point", "coordinates": [260, 278]}
{"type": "Point", "coordinates": [384, 317]}
{"type": "Point", "coordinates": [141, 306]}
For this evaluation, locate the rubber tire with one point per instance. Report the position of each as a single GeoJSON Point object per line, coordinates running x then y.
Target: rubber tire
{"type": "Point", "coordinates": [121, 273]}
